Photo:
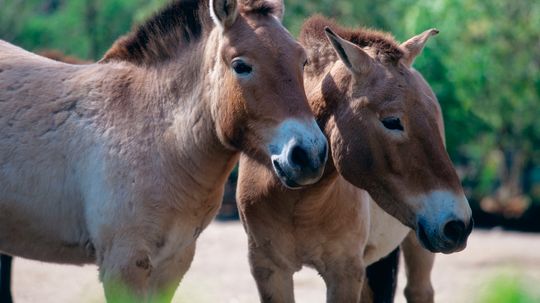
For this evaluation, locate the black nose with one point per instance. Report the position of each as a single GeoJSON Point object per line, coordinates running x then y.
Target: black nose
{"type": "Point", "coordinates": [455, 231]}
{"type": "Point", "coordinates": [423, 237]}
{"type": "Point", "coordinates": [323, 154]}
{"type": "Point", "coordinates": [299, 157]}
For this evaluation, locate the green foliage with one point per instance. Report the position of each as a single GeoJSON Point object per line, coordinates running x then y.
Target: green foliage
{"type": "Point", "coordinates": [508, 289]}
{"type": "Point", "coordinates": [83, 28]}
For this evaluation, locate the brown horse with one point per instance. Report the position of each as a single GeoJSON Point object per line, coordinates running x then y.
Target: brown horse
{"type": "Point", "coordinates": [385, 131]}
{"type": "Point", "coordinates": [123, 162]}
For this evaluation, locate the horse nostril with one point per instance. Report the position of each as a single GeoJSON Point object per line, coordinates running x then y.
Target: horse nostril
{"type": "Point", "coordinates": [454, 230]}
{"type": "Point", "coordinates": [299, 157]}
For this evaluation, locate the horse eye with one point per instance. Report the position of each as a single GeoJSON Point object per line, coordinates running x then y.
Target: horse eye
{"type": "Point", "coordinates": [305, 63]}
{"type": "Point", "coordinates": [241, 68]}
{"type": "Point", "coordinates": [392, 123]}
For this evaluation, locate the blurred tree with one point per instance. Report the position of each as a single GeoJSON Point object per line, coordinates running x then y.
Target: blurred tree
{"type": "Point", "coordinates": [84, 28]}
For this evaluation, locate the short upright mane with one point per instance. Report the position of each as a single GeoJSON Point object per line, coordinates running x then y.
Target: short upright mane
{"type": "Point", "coordinates": [160, 38]}
{"type": "Point", "coordinates": [260, 7]}
{"type": "Point", "coordinates": [312, 35]}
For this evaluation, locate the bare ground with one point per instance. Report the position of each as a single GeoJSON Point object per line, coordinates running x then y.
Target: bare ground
{"type": "Point", "coordinates": [220, 271]}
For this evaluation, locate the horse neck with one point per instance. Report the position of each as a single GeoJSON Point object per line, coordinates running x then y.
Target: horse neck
{"type": "Point", "coordinates": [332, 194]}
{"type": "Point", "coordinates": [192, 147]}
{"type": "Point", "coordinates": [322, 203]}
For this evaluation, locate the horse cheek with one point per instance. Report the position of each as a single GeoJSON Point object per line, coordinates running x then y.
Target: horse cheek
{"type": "Point", "coordinates": [232, 124]}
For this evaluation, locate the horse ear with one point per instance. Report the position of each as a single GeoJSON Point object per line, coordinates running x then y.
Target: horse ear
{"type": "Point", "coordinates": [413, 47]}
{"type": "Point", "coordinates": [224, 12]}
{"type": "Point", "coordinates": [354, 57]}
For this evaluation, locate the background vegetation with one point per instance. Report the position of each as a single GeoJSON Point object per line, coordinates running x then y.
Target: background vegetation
{"type": "Point", "coordinates": [508, 287]}
{"type": "Point", "coordinates": [484, 68]}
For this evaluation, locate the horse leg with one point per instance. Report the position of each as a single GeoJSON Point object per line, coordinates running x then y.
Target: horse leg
{"type": "Point", "coordinates": [167, 276]}
{"type": "Point", "coordinates": [275, 283]}
{"type": "Point", "coordinates": [418, 266]}
{"type": "Point", "coordinates": [382, 278]}
{"type": "Point", "coordinates": [344, 279]}
{"type": "Point", "coordinates": [5, 278]}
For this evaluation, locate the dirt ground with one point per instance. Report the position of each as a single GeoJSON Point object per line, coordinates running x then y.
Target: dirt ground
{"type": "Point", "coordinates": [220, 271]}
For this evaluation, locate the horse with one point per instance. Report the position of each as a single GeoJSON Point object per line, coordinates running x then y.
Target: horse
{"type": "Point", "coordinates": [122, 162]}
{"type": "Point", "coordinates": [387, 157]}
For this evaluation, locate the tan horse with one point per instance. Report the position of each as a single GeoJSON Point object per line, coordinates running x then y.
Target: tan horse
{"type": "Point", "coordinates": [385, 131]}
{"type": "Point", "coordinates": [123, 162]}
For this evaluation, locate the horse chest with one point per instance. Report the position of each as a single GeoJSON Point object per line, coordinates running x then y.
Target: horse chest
{"type": "Point", "coordinates": [386, 234]}
{"type": "Point", "coordinates": [174, 241]}
{"type": "Point", "coordinates": [184, 231]}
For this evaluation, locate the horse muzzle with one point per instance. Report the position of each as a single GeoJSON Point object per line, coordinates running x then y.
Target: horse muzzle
{"type": "Point", "coordinates": [299, 152]}
{"type": "Point", "coordinates": [449, 239]}
{"type": "Point", "coordinates": [444, 222]}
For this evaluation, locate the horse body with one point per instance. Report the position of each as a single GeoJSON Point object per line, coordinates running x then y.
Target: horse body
{"type": "Point", "coordinates": [76, 159]}
{"type": "Point", "coordinates": [123, 162]}
{"type": "Point", "coordinates": [334, 227]}
{"type": "Point", "coordinates": [289, 229]}
{"type": "Point", "coordinates": [385, 130]}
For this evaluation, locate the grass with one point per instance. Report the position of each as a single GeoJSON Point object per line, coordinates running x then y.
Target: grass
{"type": "Point", "coordinates": [509, 288]}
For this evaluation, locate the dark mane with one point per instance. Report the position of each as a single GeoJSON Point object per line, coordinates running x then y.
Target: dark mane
{"type": "Point", "coordinates": [259, 7]}
{"type": "Point", "coordinates": [178, 25]}
{"type": "Point", "coordinates": [313, 33]}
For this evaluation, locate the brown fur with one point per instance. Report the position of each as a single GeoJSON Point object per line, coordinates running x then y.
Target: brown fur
{"type": "Point", "coordinates": [335, 226]}
{"type": "Point", "coordinates": [123, 163]}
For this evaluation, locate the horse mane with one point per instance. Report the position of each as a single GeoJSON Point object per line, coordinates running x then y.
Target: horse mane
{"type": "Point", "coordinates": [259, 7]}
{"type": "Point", "coordinates": [176, 27]}
{"type": "Point", "coordinates": [173, 29]}
{"type": "Point", "coordinates": [312, 36]}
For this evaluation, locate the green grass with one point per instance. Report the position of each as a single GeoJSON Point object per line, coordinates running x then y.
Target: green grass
{"type": "Point", "coordinates": [509, 288]}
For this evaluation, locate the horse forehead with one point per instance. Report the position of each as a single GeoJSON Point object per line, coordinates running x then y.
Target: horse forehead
{"type": "Point", "coordinates": [399, 88]}
{"type": "Point", "coordinates": [422, 99]}
{"type": "Point", "coordinates": [264, 36]}
{"type": "Point", "coordinates": [386, 92]}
